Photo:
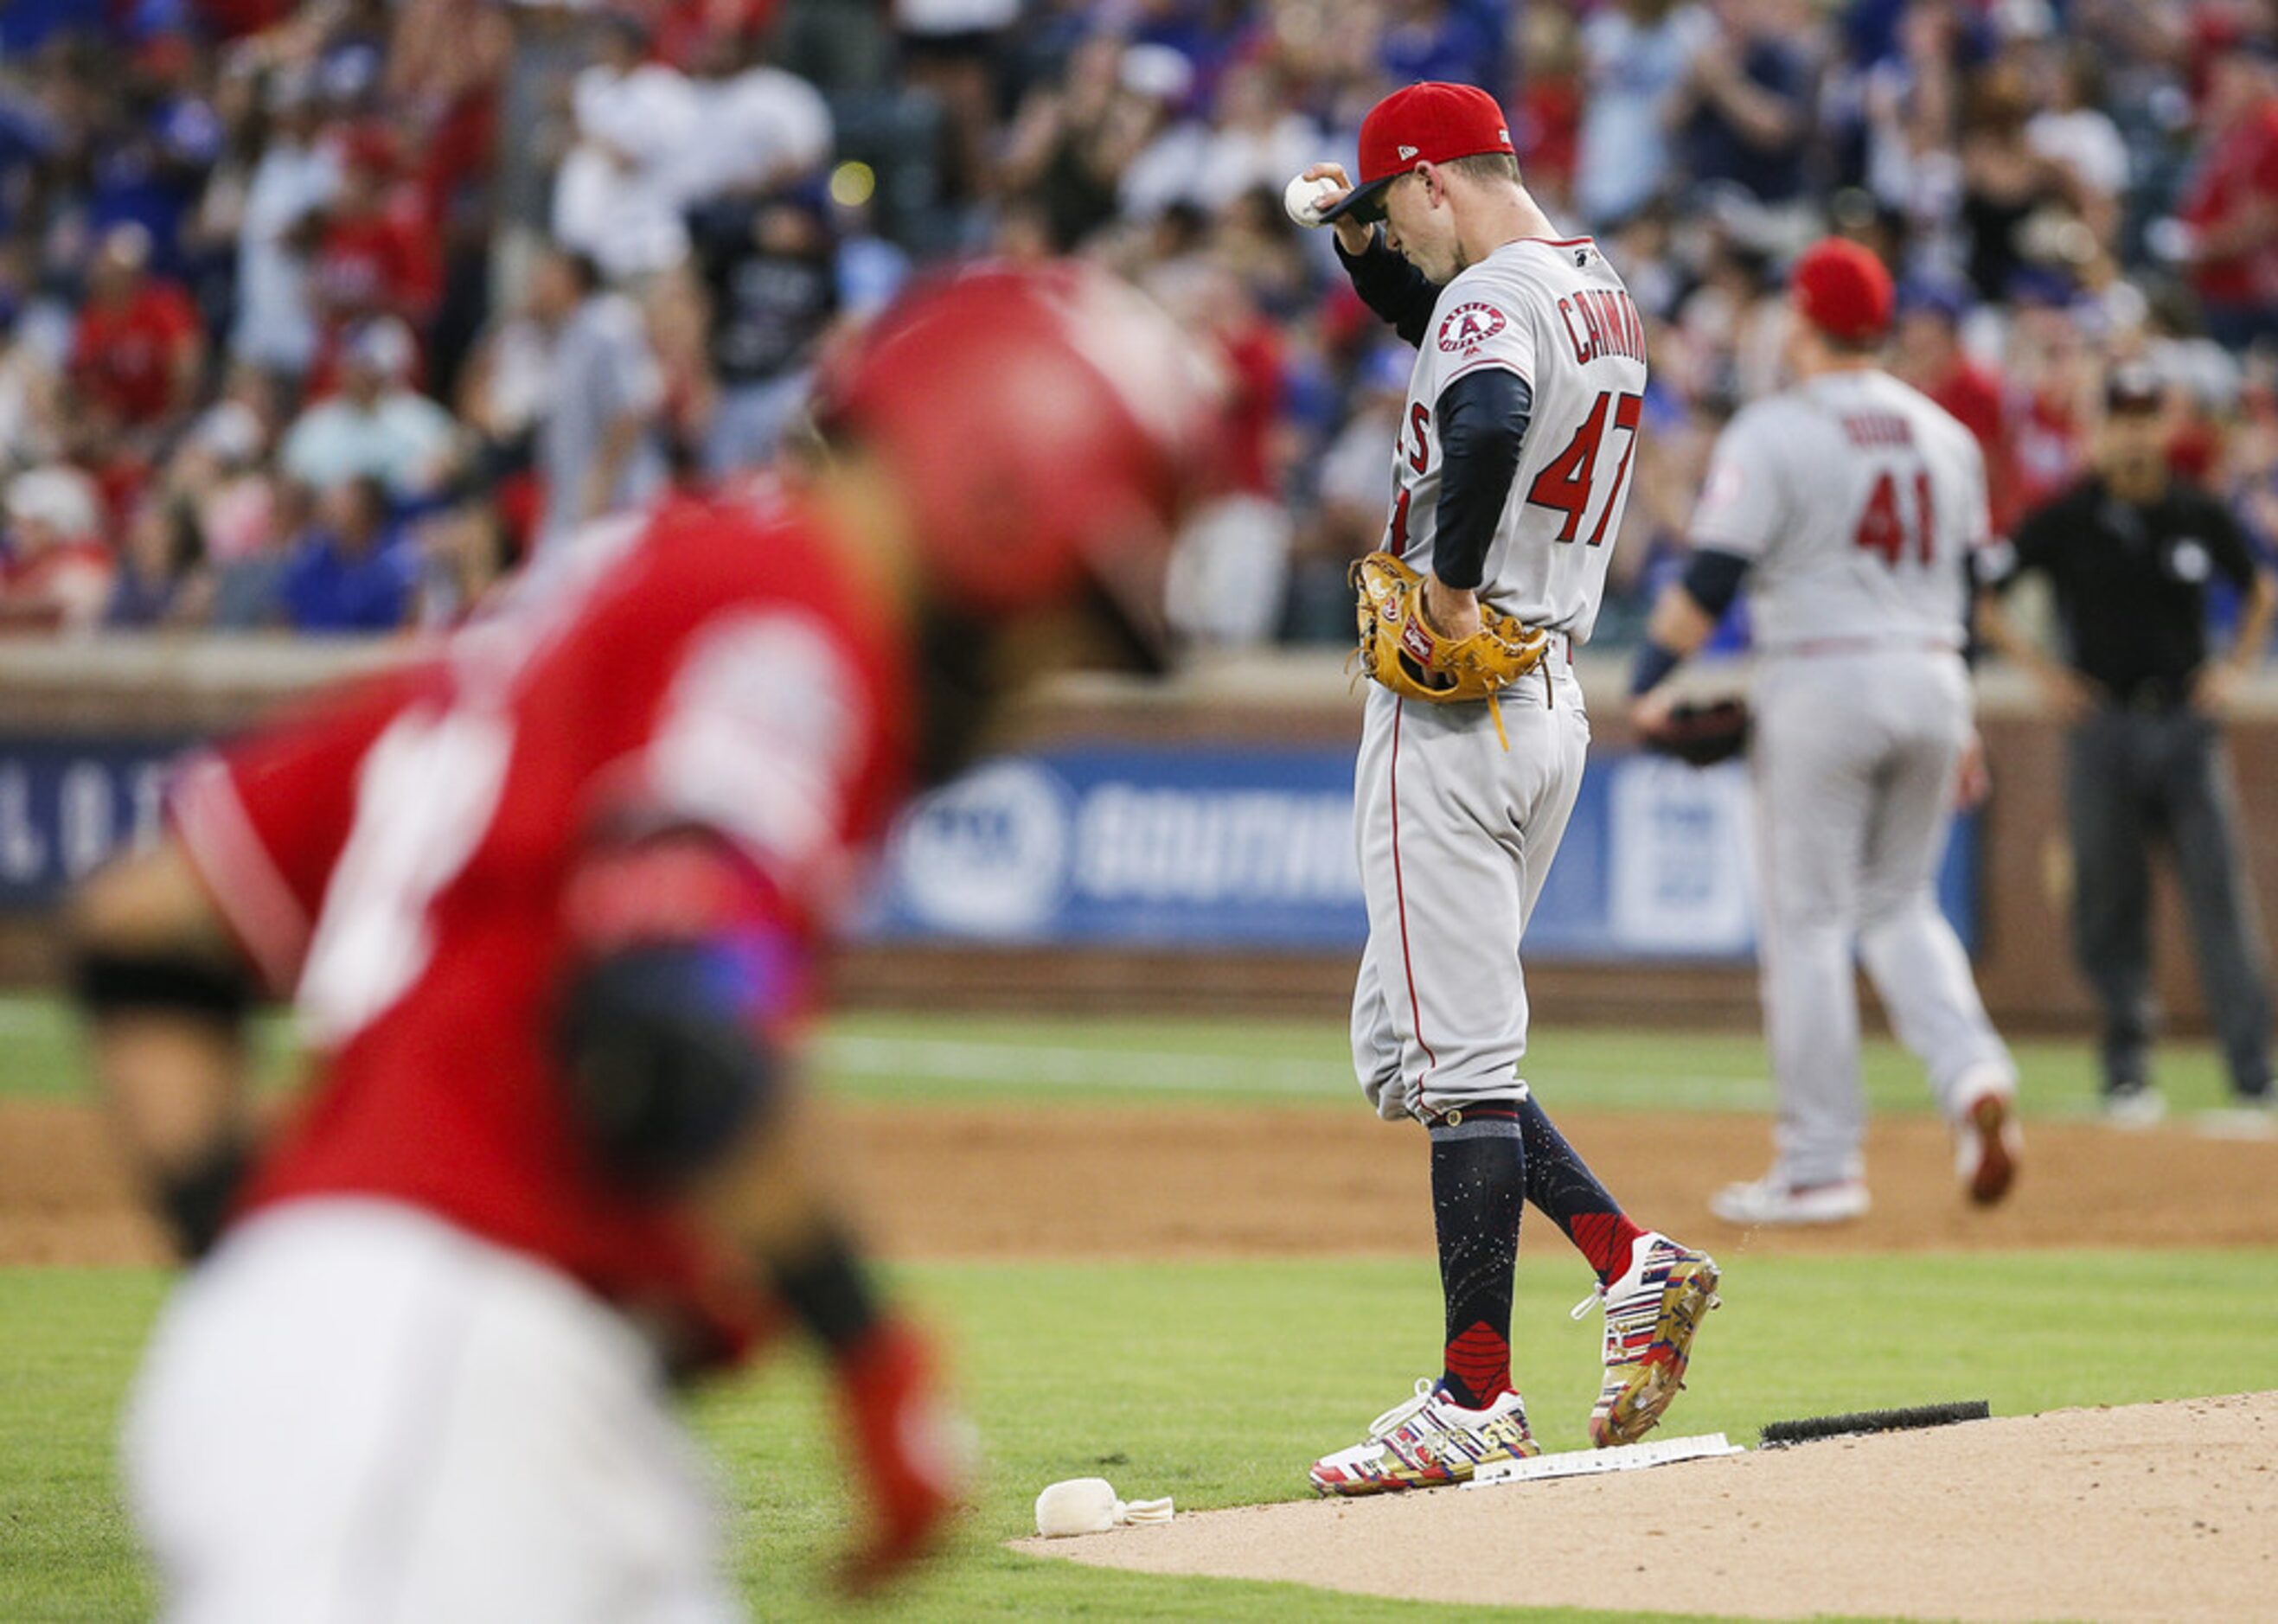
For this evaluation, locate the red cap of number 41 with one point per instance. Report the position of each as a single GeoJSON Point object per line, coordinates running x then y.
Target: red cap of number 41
{"type": "Point", "coordinates": [1842, 289]}
{"type": "Point", "coordinates": [1427, 122]}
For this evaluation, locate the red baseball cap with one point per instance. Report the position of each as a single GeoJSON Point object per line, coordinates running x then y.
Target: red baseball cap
{"type": "Point", "coordinates": [1842, 289]}
{"type": "Point", "coordinates": [1430, 122]}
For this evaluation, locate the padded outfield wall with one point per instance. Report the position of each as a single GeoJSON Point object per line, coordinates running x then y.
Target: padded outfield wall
{"type": "Point", "coordinates": [1183, 844]}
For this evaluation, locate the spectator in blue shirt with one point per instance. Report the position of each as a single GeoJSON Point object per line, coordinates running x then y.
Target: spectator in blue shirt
{"type": "Point", "coordinates": [1747, 102]}
{"type": "Point", "coordinates": [1441, 39]}
{"type": "Point", "coordinates": [354, 572]}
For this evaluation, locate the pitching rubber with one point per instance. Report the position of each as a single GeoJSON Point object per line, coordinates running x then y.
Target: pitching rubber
{"type": "Point", "coordinates": [1781, 1434]}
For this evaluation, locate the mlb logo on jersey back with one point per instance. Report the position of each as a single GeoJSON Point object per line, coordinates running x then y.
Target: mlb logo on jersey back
{"type": "Point", "coordinates": [1468, 326]}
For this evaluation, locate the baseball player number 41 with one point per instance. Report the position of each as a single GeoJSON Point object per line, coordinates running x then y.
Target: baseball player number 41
{"type": "Point", "coordinates": [1882, 528]}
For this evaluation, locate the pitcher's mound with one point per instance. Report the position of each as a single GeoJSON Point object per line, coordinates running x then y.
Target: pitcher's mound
{"type": "Point", "coordinates": [2154, 1511]}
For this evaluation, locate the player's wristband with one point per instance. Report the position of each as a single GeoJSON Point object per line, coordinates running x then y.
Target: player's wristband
{"type": "Point", "coordinates": [1654, 663]}
{"type": "Point", "coordinates": [196, 1197]}
{"type": "Point", "coordinates": [110, 982]}
{"type": "Point", "coordinates": [829, 1290]}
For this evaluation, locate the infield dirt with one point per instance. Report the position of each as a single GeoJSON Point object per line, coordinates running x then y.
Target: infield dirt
{"type": "Point", "coordinates": [2148, 1512]}
{"type": "Point", "coordinates": [2156, 1512]}
{"type": "Point", "coordinates": [1000, 1182]}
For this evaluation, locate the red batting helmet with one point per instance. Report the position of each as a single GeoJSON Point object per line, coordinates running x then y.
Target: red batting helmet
{"type": "Point", "coordinates": [1039, 419]}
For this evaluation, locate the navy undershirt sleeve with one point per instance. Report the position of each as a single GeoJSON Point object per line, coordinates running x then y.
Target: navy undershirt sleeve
{"type": "Point", "coordinates": [1392, 287]}
{"type": "Point", "coordinates": [1483, 417]}
{"type": "Point", "coordinates": [1713, 578]}
{"type": "Point", "coordinates": [1655, 663]}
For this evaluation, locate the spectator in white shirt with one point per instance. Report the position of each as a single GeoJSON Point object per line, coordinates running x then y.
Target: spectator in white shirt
{"type": "Point", "coordinates": [375, 426]}
{"type": "Point", "coordinates": [2076, 133]}
{"type": "Point", "coordinates": [614, 199]}
{"type": "Point", "coordinates": [295, 176]}
{"type": "Point", "coordinates": [757, 128]}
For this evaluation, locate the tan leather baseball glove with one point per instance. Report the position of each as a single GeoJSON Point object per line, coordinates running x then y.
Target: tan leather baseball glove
{"type": "Point", "coordinates": [1400, 649]}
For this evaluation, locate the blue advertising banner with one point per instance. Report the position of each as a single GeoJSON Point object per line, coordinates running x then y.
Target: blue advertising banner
{"type": "Point", "coordinates": [1191, 847]}
{"type": "Point", "coordinates": [1155, 846]}
{"type": "Point", "coordinates": [66, 804]}
{"type": "Point", "coordinates": [1220, 848]}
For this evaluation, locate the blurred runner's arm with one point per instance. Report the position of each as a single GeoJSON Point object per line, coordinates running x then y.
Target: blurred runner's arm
{"type": "Point", "coordinates": [171, 947]}
{"type": "Point", "coordinates": [164, 990]}
{"type": "Point", "coordinates": [691, 928]}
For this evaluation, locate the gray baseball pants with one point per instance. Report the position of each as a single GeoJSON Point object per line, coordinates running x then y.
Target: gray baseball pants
{"type": "Point", "coordinates": [1455, 835]}
{"type": "Point", "coordinates": [1854, 760]}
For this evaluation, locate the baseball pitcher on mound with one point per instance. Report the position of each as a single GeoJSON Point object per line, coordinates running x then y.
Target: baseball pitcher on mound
{"type": "Point", "coordinates": [1513, 462]}
{"type": "Point", "coordinates": [1852, 503]}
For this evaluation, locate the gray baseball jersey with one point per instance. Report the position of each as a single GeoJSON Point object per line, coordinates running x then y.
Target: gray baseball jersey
{"type": "Point", "coordinates": [1455, 832]}
{"type": "Point", "coordinates": [1856, 498]}
{"type": "Point", "coordinates": [1557, 315]}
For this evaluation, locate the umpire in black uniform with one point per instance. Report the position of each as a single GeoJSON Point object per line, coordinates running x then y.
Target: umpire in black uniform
{"type": "Point", "coordinates": [2129, 551]}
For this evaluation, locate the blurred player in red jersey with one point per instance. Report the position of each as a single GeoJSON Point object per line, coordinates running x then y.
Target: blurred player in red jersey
{"type": "Point", "coordinates": [546, 905]}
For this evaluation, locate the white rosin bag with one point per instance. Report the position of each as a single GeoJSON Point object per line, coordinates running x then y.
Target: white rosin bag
{"type": "Point", "coordinates": [1088, 1506]}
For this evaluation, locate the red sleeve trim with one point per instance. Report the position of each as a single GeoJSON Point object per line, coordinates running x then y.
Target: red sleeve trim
{"type": "Point", "coordinates": [239, 874]}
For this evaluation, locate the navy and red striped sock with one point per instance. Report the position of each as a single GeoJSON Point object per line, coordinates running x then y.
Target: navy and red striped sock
{"type": "Point", "coordinates": [1478, 1193]}
{"type": "Point", "coordinates": [1562, 1185]}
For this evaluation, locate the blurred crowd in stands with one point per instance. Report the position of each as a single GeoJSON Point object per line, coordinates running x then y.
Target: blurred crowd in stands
{"type": "Point", "coordinates": [329, 316]}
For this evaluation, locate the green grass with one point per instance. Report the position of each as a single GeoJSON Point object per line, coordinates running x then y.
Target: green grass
{"type": "Point", "coordinates": [1215, 1383]}
{"type": "Point", "coordinates": [1061, 1061]}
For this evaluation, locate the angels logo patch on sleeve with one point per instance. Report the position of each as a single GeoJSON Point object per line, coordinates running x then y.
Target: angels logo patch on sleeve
{"type": "Point", "coordinates": [1468, 326]}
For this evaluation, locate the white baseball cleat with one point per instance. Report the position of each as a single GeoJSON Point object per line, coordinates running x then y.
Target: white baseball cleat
{"type": "Point", "coordinates": [2249, 1118]}
{"type": "Point", "coordinates": [1772, 1200]}
{"type": "Point", "coordinates": [2140, 1107]}
{"type": "Point", "coordinates": [1426, 1442]}
{"type": "Point", "coordinates": [1988, 1145]}
{"type": "Point", "coordinates": [1652, 1314]}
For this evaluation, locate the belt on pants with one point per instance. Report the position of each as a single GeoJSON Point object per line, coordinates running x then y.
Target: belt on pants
{"type": "Point", "coordinates": [1814, 646]}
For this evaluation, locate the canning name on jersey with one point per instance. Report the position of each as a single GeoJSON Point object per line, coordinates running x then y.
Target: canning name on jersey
{"type": "Point", "coordinates": [1856, 500]}
{"type": "Point", "coordinates": [397, 858]}
{"type": "Point", "coordinates": [1556, 314]}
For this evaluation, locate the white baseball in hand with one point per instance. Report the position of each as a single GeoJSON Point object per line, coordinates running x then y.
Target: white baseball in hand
{"type": "Point", "coordinates": [1305, 199]}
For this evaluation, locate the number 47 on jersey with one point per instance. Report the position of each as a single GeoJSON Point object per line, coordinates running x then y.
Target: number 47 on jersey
{"type": "Point", "coordinates": [1569, 482]}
